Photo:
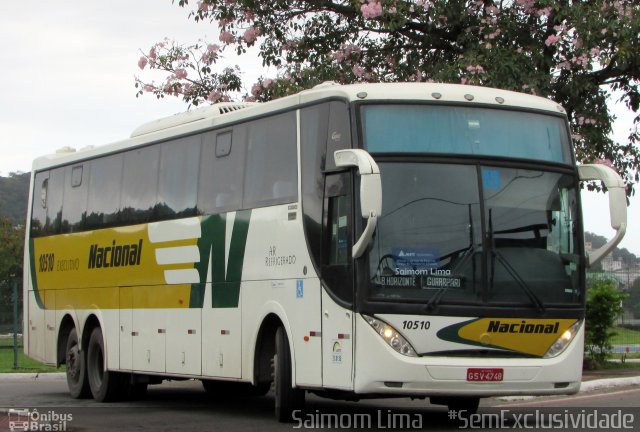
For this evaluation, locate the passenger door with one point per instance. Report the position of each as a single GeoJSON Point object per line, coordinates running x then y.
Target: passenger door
{"type": "Point", "coordinates": [337, 274]}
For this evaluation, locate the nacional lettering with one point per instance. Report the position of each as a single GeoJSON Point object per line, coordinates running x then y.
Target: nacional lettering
{"type": "Point", "coordinates": [115, 255]}
{"type": "Point", "coordinates": [522, 327]}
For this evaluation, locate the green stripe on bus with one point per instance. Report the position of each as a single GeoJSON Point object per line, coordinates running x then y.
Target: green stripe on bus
{"type": "Point", "coordinates": [225, 287]}
{"type": "Point", "coordinates": [34, 277]}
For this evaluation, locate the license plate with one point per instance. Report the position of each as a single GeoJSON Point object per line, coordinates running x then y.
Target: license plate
{"type": "Point", "coordinates": [485, 374]}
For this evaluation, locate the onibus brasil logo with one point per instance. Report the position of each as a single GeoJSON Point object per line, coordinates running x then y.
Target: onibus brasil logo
{"type": "Point", "coordinates": [23, 419]}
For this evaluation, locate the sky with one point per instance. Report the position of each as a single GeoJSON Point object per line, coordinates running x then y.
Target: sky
{"type": "Point", "coordinates": [67, 79]}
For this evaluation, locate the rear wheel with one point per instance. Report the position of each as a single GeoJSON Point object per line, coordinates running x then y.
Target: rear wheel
{"type": "Point", "coordinates": [75, 360]}
{"type": "Point", "coordinates": [105, 386]}
{"type": "Point", "coordinates": [288, 399]}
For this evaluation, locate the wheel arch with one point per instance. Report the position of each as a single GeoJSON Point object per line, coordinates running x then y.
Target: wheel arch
{"type": "Point", "coordinates": [67, 323]}
{"type": "Point", "coordinates": [264, 348]}
{"type": "Point", "coordinates": [91, 322]}
{"type": "Point", "coordinates": [264, 345]}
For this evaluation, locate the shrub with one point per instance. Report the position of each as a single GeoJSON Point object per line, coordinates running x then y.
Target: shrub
{"type": "Point", "coordinates": [604, 306]}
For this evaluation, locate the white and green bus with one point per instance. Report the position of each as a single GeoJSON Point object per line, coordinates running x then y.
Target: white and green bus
{"type": "Point", "coordinates": [374, 240]}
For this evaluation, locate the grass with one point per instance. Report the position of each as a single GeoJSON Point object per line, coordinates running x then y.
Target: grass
{"type": "Point", "coordinates": [625, 336]}
{"type": "Point", "coordinates": [617, 365]}
{"type": "Point", "coordinates": [25, 364]}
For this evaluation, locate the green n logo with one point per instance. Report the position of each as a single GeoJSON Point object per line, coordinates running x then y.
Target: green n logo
{"type": "Point", "coordinates": [226, 275]}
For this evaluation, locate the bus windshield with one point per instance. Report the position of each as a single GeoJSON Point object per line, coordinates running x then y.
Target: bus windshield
{"type": "Point", "coordinates": [476, 234]}
{"type": "Point", "coordinates": [460, 130]}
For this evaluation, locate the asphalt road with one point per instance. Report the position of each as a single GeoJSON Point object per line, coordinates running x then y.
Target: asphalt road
{"type": "Point", "coordinates": [183, 405]}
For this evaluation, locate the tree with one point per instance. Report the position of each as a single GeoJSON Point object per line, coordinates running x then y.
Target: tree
{"type": "Point", "coordinates": [14, 196]}
{"type": "Point", "coordinates": [604, 305]}
{"type": "Point", "coordinates": [11, 248]}
{"type": "Point", "coordinates": [576, 52]}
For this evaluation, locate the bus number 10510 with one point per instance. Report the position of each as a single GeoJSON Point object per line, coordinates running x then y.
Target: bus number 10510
{"type": "Point", "coordinates": [416, 325]}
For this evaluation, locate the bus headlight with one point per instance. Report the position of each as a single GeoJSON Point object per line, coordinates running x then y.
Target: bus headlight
{"type": "Point", "coordinates": [394, 339]}
{"type": "Point", "coordinates": [563, 341]}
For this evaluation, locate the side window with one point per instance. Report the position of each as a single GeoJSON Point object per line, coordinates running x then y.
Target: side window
{"type": "Point", "coordinates": [75, 198]}
{"type": "Point", "coordinates": [39, 204]}
{"type": "Point", "coordinates": [271, 170]}
{"type": "Point", "coordinates": [221, 170]}
{"type": "Point", "coordinates": [140, 185]}
{"type": "Point", "coordinates": [313, 138]}
{"type": "Point", "coordinates": [339, 132]}
{"type": "Point", "coordinates": [54, 194]}
{"type": "Point", "coordinates": [178, 183]}
{"type": "Point", "coordinates": [103, 204]}
{"type": "Point", "coordinates": [337, 262]}
{"type": "Point", "coordinates": [338, 230]}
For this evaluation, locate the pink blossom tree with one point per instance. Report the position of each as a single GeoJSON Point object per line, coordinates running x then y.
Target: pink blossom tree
{"type": "Point", "coordinates": [578, 53]}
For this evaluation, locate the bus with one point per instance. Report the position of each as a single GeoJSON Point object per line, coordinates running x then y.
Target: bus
{"type": "Point", "coordinates": [354, 241]}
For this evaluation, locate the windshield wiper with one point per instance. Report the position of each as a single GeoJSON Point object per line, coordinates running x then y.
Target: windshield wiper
{"type": "Point", "coordinates": [467, 254]}
{"type": "Point", "coordinates": [495, 253]}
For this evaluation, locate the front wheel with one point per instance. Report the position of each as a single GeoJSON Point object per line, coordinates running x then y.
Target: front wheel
{"type": "Point", "coordinates": [288, 399]}
{"type": "Point", "coordinates": [105, 386]}
{"type": "Point", "coordinates": [75, 360]}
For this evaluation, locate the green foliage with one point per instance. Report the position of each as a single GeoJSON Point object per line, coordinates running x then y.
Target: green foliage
{"type": "Point", "coordinates": [604, 306]}
{"type": "Point", "coordinates": [583, 54]}
{"type": "Point", "coordinates": [11, 256]}
{"type": "Point", "coordinates": [14, 192]}
{"type": "Point", "coordinates": [11, 249]}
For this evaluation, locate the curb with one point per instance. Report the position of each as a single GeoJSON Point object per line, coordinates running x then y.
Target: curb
{"type": "Point", "coordinates": [598, 384]}
{"type": "Point", "coordinates": [585, 387]}
{"type": "Point", "coordinates": [54, 376]}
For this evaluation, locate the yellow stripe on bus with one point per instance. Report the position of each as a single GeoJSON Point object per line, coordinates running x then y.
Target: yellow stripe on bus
{"type": "Point", "coordinates": [109, 269]}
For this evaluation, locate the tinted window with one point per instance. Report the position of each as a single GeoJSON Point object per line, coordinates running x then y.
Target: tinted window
{"type": "Point", "coordinates": [271, 168]}
{"type": "Point", "coordinates": [75, 199]}
{"type": "Point", "coordinates": [140, 184]}
{"type": "Point", "coordinates": [54, 201]}
{"type": "Point", "coordinates": [532, 226]}
{"type": "Point", "coordinates": [178, 184]}
{"type": "Point", "coordinates": [39, 204]}
{"type": "Point", "coordinates": [220, 187]}
{"type": "Point", "coordinates": [339, 133]}
{"type": "Point", "coordinates": [105, 179]}
{"type": "Point", "coordinates": [465, 130]}
{"type": "Point", "coordinates": [313, 137]}
{"type": "Point", "coordinates": [429, 233]}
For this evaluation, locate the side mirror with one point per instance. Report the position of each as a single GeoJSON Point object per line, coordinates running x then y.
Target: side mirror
{"type": "Point", "coordinates": [370, 192]}
{"type": "Point", "coordinates": [617, 205]}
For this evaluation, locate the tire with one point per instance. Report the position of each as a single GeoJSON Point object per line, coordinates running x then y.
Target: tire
{"type": "Point", "coordinates": [76, 362]}
{"type": "Point", "coordinates": [105, 386]}
{"type": "Point", "coordinates": [288, 399]}
{"type": "Point", "coordinates": [468, 404]}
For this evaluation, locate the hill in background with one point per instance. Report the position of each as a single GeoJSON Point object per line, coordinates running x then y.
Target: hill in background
{"type": "Point", "coordinates": [14, 195]}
